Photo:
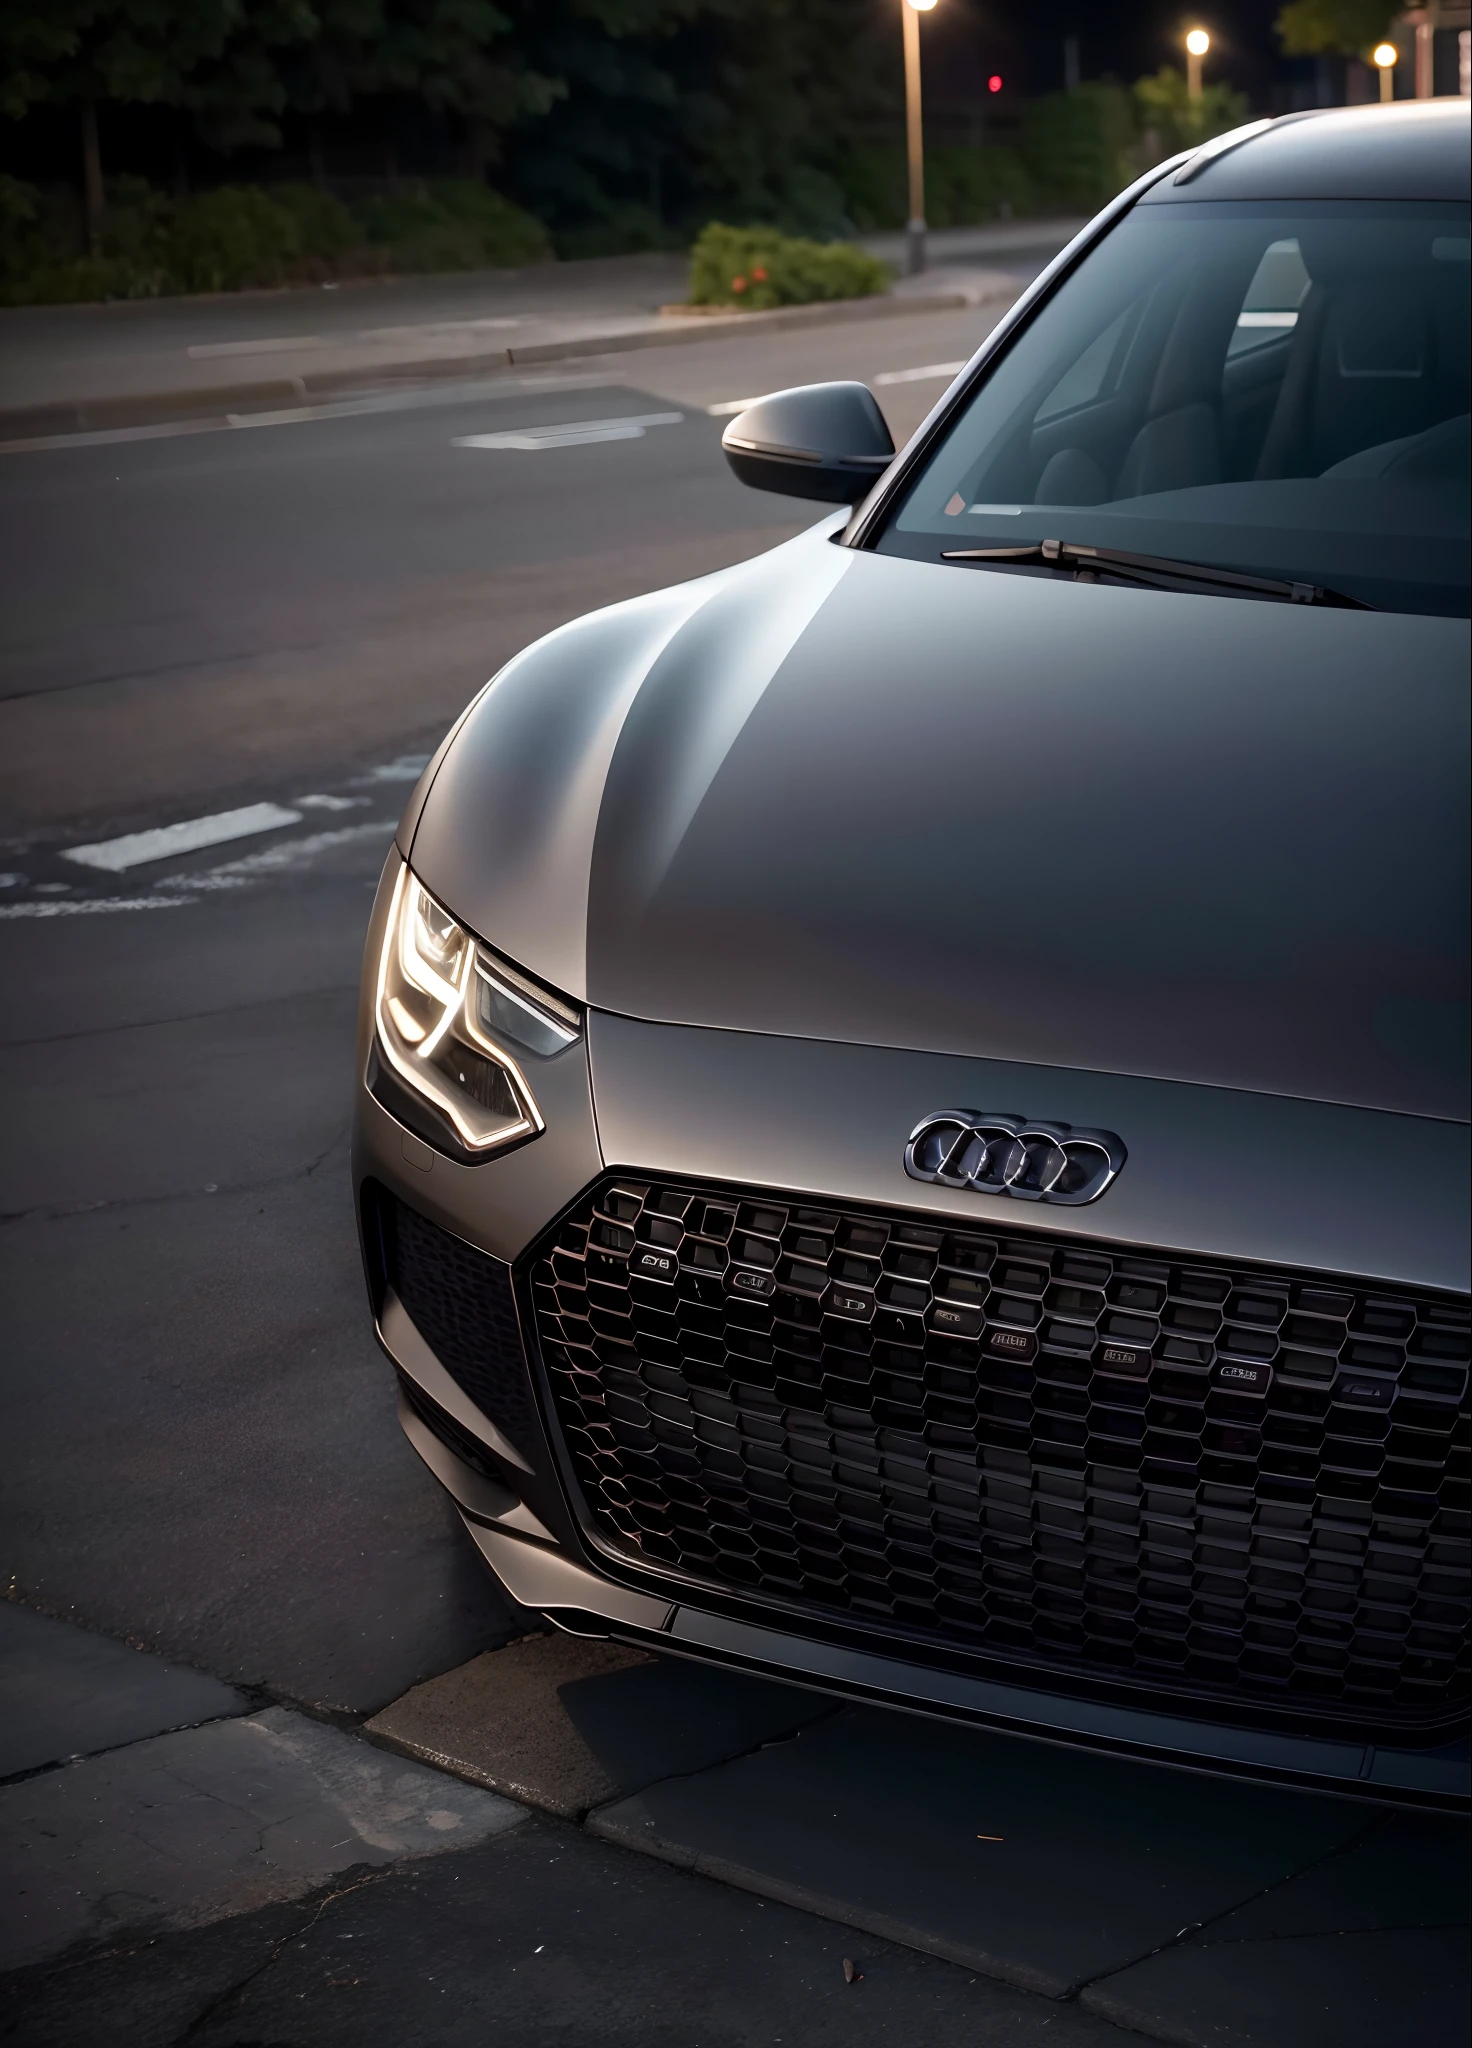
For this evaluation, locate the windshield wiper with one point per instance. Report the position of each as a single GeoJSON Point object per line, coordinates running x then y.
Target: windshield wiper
{"type": "Point", "coordinates": [1158, 572]}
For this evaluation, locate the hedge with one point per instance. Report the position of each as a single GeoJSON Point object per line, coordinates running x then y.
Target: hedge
{"type": "Point", "coordinates": [243, 235]}
{"type": "Point", "coordinates": [758, 268]}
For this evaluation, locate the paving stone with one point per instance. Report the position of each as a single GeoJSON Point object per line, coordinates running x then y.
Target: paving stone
{"type": "Point", "coordinates": [66, 1693]}
{"type": "Point", "coordinates": [189, 1828]}
{"type": "Point", "coordinates": [889, 1824]}
{"type": "Point", "coordinates": [567, 1724]}
{"type": "Point", "coordinates": [1407, 1870]}
{"type": "Point", "coordinates": [1368, 1949]}
{"type": "Point", "coordinates": [1404, 1988]}
{"type": "Point", "coordinates": [542, 1938]}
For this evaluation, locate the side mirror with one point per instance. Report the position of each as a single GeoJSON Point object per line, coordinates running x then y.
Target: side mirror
{"type": "Point", "coordinates": [825, 441]}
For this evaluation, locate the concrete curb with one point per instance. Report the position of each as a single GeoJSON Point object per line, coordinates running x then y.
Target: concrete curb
{"type": "Point", "coordinates": [843, 1912]}
{"type": "Point", "coordinates": [154, 408]}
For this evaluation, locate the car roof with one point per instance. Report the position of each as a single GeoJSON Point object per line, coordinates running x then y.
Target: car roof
{"type": "Point", "coordinates": [1417, 149]}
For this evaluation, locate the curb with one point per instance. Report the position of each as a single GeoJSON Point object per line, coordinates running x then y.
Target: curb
{"type": "Point", "coordinates": [842, 1912]}
{"type": "Point", "coordinates": [25, 422]}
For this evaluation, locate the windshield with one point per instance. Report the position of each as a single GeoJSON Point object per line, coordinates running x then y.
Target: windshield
{"type": "Point", "coordinates": [1270, 387]}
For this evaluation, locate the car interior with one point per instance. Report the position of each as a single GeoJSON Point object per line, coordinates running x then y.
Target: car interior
{"type": "Point", "coordinates": [1330, 353]}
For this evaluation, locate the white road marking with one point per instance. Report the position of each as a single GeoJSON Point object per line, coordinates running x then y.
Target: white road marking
{"type": "Point", "coordinates": [87, 906]}
{"type": "Point", "coordinates": [179, 890]}
{"type": "Point", "coordinates": [107, 437]}
{"type": "Point", "coordinates": [135, 849]}
{"type": "Point", "coordinates": [407, 768]}
{"type": "Point", "coordinates": [414, 400]}
{"type": "Point", "coordinates": [328, 803]}
{"type": "Point", "coordinates": [920, 376]}
{"type": "Point", "coordinates": [277, 860]}
{"type": "Point", "coordinates": [429, 327]}
{"type": "Point", "coordinates": [267, 346]}
{"type": "Point", "coordinates": [729, 406]}
{"type": "Point", "coordinates": [282, 344]}
{"type": "Point", "coordinates": [572, 433]}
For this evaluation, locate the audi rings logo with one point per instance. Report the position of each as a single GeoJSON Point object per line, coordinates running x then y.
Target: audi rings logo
{"type": "Point", "coordinates": [1011, 1155]}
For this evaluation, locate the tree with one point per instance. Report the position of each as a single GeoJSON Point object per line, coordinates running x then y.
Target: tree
{"type": "Point", "coordinates": [85, 52]}
{"type": "Point", "coordinates": [457, 57]}
{"type": "Point", "coordinates": [1176, 121]}
{"type": "Point", "coordinates": [674, 109]}
{"type": "Point", "coordinates": [236, 95]}
{"type": "Point", "coordinates": [1312, 28]}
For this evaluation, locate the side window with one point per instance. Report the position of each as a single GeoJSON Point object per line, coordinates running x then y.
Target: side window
{"type": "Point", "coordinates": [1270, 308]}
{"type": "Point", "coordinates": [1088, 376]}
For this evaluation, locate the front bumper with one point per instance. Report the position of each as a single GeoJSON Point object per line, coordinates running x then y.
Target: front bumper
{"type": "Point", "coordinates": [1211, 1175]}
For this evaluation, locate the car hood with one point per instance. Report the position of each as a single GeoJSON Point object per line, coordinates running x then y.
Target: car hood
{"type": "Point", "coordinates": [840, 795]}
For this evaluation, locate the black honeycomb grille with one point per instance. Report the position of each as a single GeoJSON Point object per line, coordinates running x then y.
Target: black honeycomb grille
{"type": "Point", "coordinates": [1240, 1484]}
{"type": "Point", "coordinates": [462, 1304]}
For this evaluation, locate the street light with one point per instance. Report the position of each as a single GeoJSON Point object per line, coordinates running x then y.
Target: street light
{"type": "Point", "coordinates": [1386, 56]}
{"type": "Point", "coordinates": [1198, 42]}
{"type": "Point", "coordinates": [915, 226]}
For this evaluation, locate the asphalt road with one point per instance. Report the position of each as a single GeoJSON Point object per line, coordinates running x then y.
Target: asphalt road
{"type": "Point", "coordinates": [201, 1450]}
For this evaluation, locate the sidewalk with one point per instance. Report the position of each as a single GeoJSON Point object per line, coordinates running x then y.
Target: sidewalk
{"type": "Point", "coordinates": [64, 368]}
{"type": "Point", "coordinates": [977, 1882]}
{"type": "Point", "coordinates": [258, 1876]}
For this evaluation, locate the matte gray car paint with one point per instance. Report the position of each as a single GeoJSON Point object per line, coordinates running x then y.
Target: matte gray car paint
{"type": "Point", "coordinates": [507, 830]}
{"type": "Point", "coordinates": [697, 738]}
{"type": "Point", "coordinates": [802, 827]}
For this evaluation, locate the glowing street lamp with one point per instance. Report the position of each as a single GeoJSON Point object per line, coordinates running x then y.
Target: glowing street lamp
{"type": "Point", "coordinates": [1198, 42]}
{"type": "Point", "coordinates": [914, 138]}
{"type": "Point", "coordinates": [1385, 57]}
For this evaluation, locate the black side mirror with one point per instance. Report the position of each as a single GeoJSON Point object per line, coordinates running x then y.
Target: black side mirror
{"type": "Point", "coordinates": [825, 441]}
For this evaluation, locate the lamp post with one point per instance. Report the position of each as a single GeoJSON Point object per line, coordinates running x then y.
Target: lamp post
{"type": "Point", "coordinates": [1198, 42]}
{"type": "Point", "coordinates": [1385, 57]}
{"type": "Point", "coordinates": [914, 137]}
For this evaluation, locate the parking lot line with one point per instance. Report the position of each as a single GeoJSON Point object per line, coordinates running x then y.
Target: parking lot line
{"type": "Point", "coordinates": [571, 433]}
{"type": "Point", "coordinates": [919, 375]}
{"type": "Point", "coordinates": [135, 849]}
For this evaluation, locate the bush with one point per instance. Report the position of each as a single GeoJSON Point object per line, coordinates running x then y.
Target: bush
{"type": "Point", "coordinates": [964, 186]}
{"type": "Point", "coordinates": [625, 229]}
{"type": "Point", "coordinates": [240, 235]}
{"type": "Point", "coordinates": [21, 242]}
{"type": "Point", "coordinates": [452, 224]}
{"type": "Point", "coordinates": [757, 268]}
{"type": "Point", "coordinates": [810, 202]}
{"type": "Point", "coordinates": [1078, 144]}
{"type": "Point", "coordinates": [235, 236]}
{"type": "Point", "coordinates": [325, 229]}
{"type": "Point", "coordinates": [44, 257]}
{"type": "Point", "coordinates": [1170, 120]}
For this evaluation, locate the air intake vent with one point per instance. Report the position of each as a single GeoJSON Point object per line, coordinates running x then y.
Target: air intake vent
{"type": "Point", "coordinates": [460, 1301]}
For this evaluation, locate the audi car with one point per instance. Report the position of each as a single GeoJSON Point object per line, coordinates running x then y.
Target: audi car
{"type": "Point", "coordinates": [913, 1093]}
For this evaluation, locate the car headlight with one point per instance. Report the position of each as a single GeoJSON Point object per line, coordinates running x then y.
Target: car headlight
{"type": "Point", "coordinates": [452, 1021]}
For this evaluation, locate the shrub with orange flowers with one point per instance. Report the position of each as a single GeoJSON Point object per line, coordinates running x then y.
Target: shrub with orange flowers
{"type": "Point", "coordinates": [758, 268]}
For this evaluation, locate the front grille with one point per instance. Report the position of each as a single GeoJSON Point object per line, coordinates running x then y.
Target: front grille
{"type": "Point", "coordinates": [461, 1302]}
{"type": "Point", "coordinates": [1231, 1482]}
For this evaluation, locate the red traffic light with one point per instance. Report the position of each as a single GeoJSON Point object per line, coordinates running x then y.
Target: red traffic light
{"type": "Point", "coordinates": [994, 83]}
